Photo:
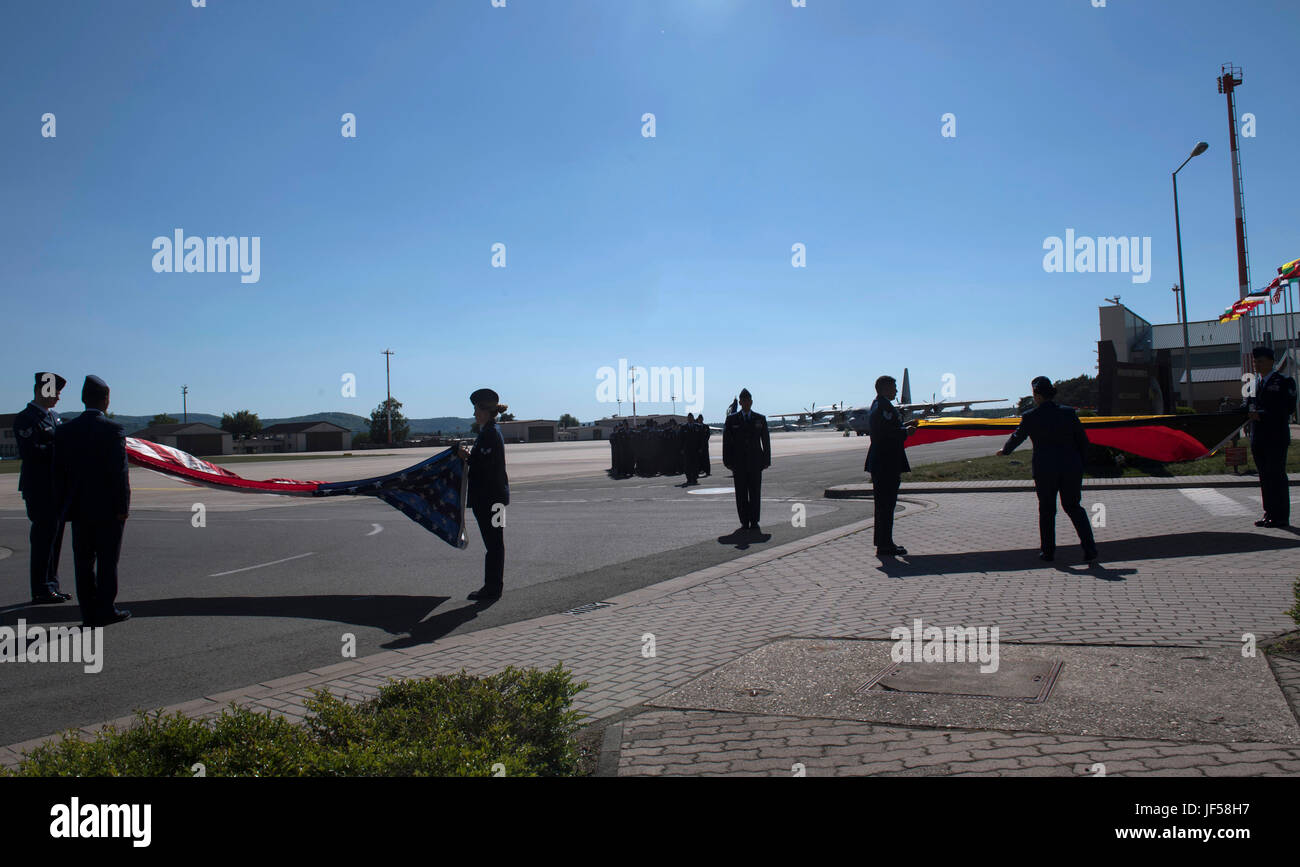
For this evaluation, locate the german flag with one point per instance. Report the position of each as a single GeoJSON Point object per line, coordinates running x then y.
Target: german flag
{"type": "Point", "coordinates": [1165, 438]}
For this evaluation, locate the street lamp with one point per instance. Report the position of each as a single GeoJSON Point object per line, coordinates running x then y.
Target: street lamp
{"type": "Point", "coordinates": [1200, 148]}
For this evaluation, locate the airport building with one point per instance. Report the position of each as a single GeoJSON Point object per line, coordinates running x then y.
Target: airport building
{"type": "Point", "coordinates": [536, 430]}
{"type": "Point", "coordinates": [8, 442]}
{"type": "Point", "coordinates": [1141, 357]}
{"type": "Point", "coordinates": [197, 438]}
{"type": "Point", "coordinates": [308, 436]}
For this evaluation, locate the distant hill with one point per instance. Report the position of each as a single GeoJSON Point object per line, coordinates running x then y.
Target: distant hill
{"type": "Point", "coordinates": [354, 423]}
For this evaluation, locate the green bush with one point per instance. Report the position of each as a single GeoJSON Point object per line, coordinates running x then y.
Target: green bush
{"type": "Point", "coordinates": [1294, 610]}
{"type": "Point", "coordinates": [449, 725]}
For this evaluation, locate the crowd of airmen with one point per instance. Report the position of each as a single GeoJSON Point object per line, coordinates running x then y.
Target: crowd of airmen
{"type": "Point", "coordinates": [669, 450]}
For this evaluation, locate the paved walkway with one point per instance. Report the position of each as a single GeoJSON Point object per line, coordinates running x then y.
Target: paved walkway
{"type": "Point", "coordinates": [1179, 568]}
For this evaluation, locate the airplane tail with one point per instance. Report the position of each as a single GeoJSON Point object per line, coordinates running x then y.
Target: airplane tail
{"type": "Point", "coordinates": [907, 388]}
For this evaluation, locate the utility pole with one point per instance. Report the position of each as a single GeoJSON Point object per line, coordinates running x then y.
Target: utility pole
{"type": "Point", "coordinates": [632, 370]}
{"type": "Point", "coordinates": [185, 413]}
{"type": "Point", "coordinates": [388, 385]}
{"type": "Point", "coordinates": [1229, 80]}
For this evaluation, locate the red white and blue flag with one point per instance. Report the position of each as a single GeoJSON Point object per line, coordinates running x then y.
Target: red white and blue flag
{"type": "Point", "coordinates": [431, 493]}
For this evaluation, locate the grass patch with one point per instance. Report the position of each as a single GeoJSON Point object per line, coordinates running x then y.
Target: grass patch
{"type": "Point", "coordinates": [518, 722]}
{"type": "Point", "coordinates": [1100, 466]}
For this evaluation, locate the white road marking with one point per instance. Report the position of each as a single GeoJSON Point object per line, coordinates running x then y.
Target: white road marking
{"type": "Point", "coordinates": [1214, 502]}
{"type": "Point", "coordinates": [379, 528]}
{"type": "Point", "coordinates": [712, 491]}
{"type": "Point", "coordinates": [260, 565]}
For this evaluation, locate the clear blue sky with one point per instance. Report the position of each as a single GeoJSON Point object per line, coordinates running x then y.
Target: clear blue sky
{"type": "Point", "coordinates": [522, 125]}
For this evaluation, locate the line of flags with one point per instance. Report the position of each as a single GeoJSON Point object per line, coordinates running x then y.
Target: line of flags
{"type": "Point", "coordinates": [1285, 274]}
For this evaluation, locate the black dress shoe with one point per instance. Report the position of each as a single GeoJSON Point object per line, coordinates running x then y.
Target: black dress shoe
{"type": "Point", "coordinates": [118, 615]}
{"type": "Point", "coordinates": [1046, 558]}
{"type": "Point", "coordinates": [1263, 522]}
{"type": "Point", "coordinates": [1090, 555]}
{"type": "Point", "coordinates": [484, 594]}
{"type": "Point", "coordinates": [891, 551]}
{"type": "Point", "coordinates": [50, 598]}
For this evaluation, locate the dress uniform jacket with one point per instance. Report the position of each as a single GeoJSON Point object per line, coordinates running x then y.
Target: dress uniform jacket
{"type": "Point", "coordinates": [488, 483]}
{"type": "Point", "coordinates": [887, 454]}
{"type": "Point", "coordinates": [746, 443]}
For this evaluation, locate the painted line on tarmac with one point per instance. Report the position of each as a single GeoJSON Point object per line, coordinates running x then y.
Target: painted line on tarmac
{"type": "Point", "coordinates": [379, 528]}
{"type": "Point", "coordinates": [260, 565]}
{"type": "Point", "coordinates": [1214, 502]}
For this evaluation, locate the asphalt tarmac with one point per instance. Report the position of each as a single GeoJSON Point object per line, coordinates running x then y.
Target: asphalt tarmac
{"type": "Point", "coordinates": [272, 585]}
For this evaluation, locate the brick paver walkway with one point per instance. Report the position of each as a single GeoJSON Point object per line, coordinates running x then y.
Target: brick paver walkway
{"type": "Point", "coordinates": [1175, 571]}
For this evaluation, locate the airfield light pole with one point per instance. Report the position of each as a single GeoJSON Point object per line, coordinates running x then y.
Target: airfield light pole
{"type": "Point", "coordinates": [632, 370]}
{"type": "Point", "coordinates": [388, 385]}
{"type": "Point", "coordinates": [1182, 286]}
{"type": "Point", "coordinates": [185, 412]}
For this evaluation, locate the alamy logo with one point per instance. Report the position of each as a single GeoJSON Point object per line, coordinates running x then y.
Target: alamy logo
{"type": "Point", "coordinates": [652, 385]}
{"type": "Point", "coordinates": [75, 819]}
{"type": "Point", "coordinates": [1098, 255]}
{"type": "Point", "coordinates": [83, 644]}
{"type": "Point", "coordinates": [211, 255]}
{"type": "Point", "coordinates": [924, 643]}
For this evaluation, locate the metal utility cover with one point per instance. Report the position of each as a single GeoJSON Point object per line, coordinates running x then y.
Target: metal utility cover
{"type": "Point", "coordinates": [1028, 681]}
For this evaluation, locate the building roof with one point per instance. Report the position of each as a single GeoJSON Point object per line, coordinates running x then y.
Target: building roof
{"type": "Point", "coordinates": [1213, 374]}
{"type": "Point", "coordinates": [301, 427]}
{"type": "Point", "coordinates": [528, 421]}
{"type": "Point", "coordinates": [1212, 332]}
{"type": "Point", "coordinates": [173, 430]}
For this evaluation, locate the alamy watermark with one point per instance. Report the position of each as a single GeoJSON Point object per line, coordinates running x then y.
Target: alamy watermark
{"type": "Point", "coordinates": [652, 385]}
{"type": "Point", "coordinates": [1110, 255]}
{"type": "Point", "coordinates": [922, 643]}
{"type": "Point", "coordinates": [211, 255]}
{"type": "Point", "coordinates": [81, 644]}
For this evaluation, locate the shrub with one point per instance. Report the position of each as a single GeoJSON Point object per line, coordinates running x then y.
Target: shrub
{"type": "Point", "coordinates": [449, 725]}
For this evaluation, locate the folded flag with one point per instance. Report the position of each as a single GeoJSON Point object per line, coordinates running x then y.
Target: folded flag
{"type": "Point", "coordinates": [431, 493]}
{"type": "Point", "coordinates": [1163, 438]}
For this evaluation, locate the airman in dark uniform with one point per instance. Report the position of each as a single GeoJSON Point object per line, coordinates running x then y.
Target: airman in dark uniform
{"type": "Point", "coordinates": [1060, 446]}
{"type": "Point", "coordinates": [688, 442]}
{"type": "Point", "coordinates": [747, 451]}
{"type": "Point", "coordinates": [93, 488]}
{"type": "Point", "coordinates": [1270, 410]}
{"type": "Point", "coordinates": [887, 461]}
{"type": "Point", "coordinates": [34, 429]}
{"type": "Point", "coordinates": [705, 432]}
{"type": "Point", "coordinates": [489, 491]}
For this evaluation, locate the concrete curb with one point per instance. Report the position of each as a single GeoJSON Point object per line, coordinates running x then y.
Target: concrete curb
{"type": "Point", "coordinates": [863, 491]}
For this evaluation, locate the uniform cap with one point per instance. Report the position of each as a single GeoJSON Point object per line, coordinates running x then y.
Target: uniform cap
{"type": "Point", "coordinates": [745, 395]}
{"type": "Point", "coordinates": [486, 398]}
{"type": "Point", "coordinates": [59, 381]}
{"type": "Point", "coordinates": [1042, 385]}
{"type": "Point", "coordinates": [93, 390]}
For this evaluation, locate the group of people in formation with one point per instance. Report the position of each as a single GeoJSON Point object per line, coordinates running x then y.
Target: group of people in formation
{"type": "Point", "coordinates": [670, 449]}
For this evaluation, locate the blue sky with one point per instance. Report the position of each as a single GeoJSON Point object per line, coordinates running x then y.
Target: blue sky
{"type": "Point", "coordinates": [477, 125]}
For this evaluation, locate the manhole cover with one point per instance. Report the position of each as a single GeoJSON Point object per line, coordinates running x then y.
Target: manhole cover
{"type": "Point", "coordinates": [1028, 681]}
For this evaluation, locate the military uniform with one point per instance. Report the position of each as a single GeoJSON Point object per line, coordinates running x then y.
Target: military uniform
{"type": "Point", "coordinates": [1270, 437]}
{"type": "Point", "coordinates": [688, 446]}
{"type": "Point", "coordinates": [886, 461]}
{"type": "Point", "coordinates": [93, 488]}
{"type": "Point", "coordinates": [705, 433]}
{"type": "Point", "coordinates": [747, 451]}
{"type": "Point", "coordinates": [34, 429]}
{"type": "Point", "coordinates": [1060, 445]}
{"type": "Point", "coordinates": [489, 486]}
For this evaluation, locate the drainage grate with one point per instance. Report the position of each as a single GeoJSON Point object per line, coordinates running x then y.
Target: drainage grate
{"type": "Point", "coordinates": [590, 606]}
{"type": "Point", "coordinates": [1030, 681]}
